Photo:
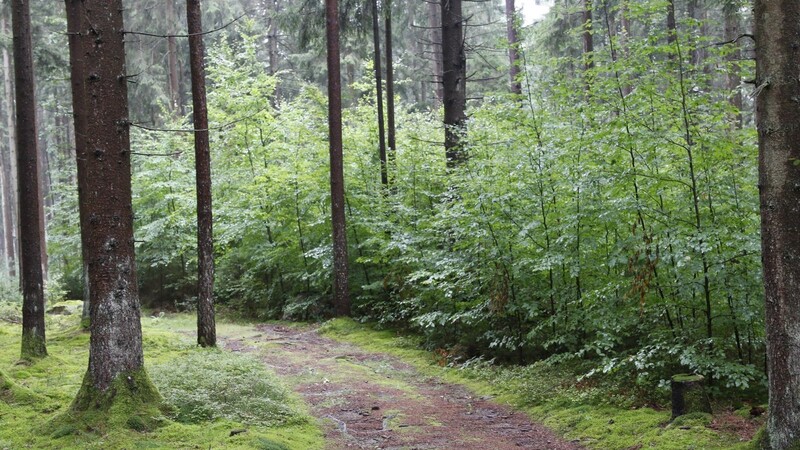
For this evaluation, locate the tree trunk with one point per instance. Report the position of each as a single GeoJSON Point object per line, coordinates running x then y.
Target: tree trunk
{"type": "Point", "coordinates": [588, 42]}
{"type": "Point", "coordinates": [777, 65]}
{"type": "Point", "coordinates": [206, 329]}
{"type": "Point", "coordinates": [732, 78]}
{"type": "Point", "coordinates": [77, 78]}
{"type": "Point", "coordinates": [172, 59]}
{"type": "Point", "coordinates": [672, 28]}
{"type": "Point", "coordinates": [272, 27]}
{"type": "Point", "coordinates": [30, 194]}
{"type": "Point", "coordinates": [116, 371]}
{"type": "Point", "coordinates": [391, 166]}
{"type": "Point", "coordinates": [454, 80]}
{"type": "Point", "coordinates": [435, 25]}
{"type": "Point", "coordinates": [9, 166]}
{"type": "Point", "coordinates": [513, 48]}
{"type": "Point", "coordinates": [341, 295]}
{"type": "Point", "coordinates": [379, 93]}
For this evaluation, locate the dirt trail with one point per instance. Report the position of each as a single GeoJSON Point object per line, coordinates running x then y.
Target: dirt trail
{"type": "Point", "coordinates": [373, 400]}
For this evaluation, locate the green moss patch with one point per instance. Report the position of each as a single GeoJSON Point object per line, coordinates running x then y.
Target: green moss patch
{"type": "Point", "coordinates": [43, 391]}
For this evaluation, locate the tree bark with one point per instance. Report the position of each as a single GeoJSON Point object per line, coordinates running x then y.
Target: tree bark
{"type": "Point", "coordinates": [435, 26]}
{"type": "Point", "coordinates": [777, 25]}
{"type": "Point", "coordinates": [77, 77]}
{"type": "Point", "coordinates": [672, 28]}
{"type": "Point", "coordinates": [454, 80]}
{"type": "Point", "coordinates": [588, 42]}
{"type": "Point", "coordinates": [391, 166]}
{"type": "Point", "coordinates": [9, 166]}
{"type": "Point", "coordinates": [376, 43]}
{"type": "Point", "coordinates": [115, 346]}
{"type": "Point", "coordinates": [341, 295]}
{"type": "Point", "coordinates": [172, 59]}
{"type": "Point", "coordinates": [732, 78]}
{"type": "Point", "coordinates": [206, 328]}
{"type": "Point", "coordinates": [513, 48]}
{"type": "Point", "coordinates": [30, 194]}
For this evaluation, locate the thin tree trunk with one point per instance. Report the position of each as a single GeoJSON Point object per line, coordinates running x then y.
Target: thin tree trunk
{"type": "Point", "coordinates": [391, 165]}
{"type": "Point", "coordinates": [172, 59]}
{"type": "Point", "coordinates": [379, 93]}
{"type": "Point", "coordinates": [30, 207]}
{"type": "Point", "coordinates": [272, 27]}
{"type": "Point", "coordinates": [206, 328]}
{"type": "Point", "coordinates": [454, 65]}
{"type": "Point", "coordinates": [513, 48]}
{"type": "Point", "coordinates": [77, 77]}
{"type": "Point", "coordinates": [9, 166]}
{"type": "Point", "coordinates": [672, 29]}
{"type": "Point", "coordinates": [341, 295]}
{"type": "Point", "coordinates": [116, 370]}
{"type": "Point", "coordinates": [588, 42]}
{"type": "Point", "coordinates": [434, 24]}
{"type": "Point", "coordinates": [732, 77]}
{"type": "Point", "coordinates": [777, 66]}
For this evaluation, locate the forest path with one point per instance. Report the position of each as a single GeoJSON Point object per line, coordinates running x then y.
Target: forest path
{"type": "Point", "coordinates": [373, 400]}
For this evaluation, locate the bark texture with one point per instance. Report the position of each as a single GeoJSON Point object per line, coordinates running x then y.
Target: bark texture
{"type": "Point", "coordinates": [513, 48]}
{"type": "Point", "coordinates": [454, 80]}
{"type": "Point", "coordinates": [9, 166]}
{"type": "Point", "coordinates": [29, 180]}
{"type": "Point", "coordinates": [777, 24]}
{"type": "Point", "coordinates": [435, 26]}
{"type": "Point", "coordinates": [390, 131]}
{"type": "Point", "coordinates": [341, 295]}
{"type": "Point", "coordinates": [172, 59]}
{"type": "Point", "coordinates": [376, 43]}
{"type": "Point", "coordinates": [206, 328]}
{"type": "Point", "coordinates": [115, 347]}
{"type": "Point", "coordinates": [74, 29]}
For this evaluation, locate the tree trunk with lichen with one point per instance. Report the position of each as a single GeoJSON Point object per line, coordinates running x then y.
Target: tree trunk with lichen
{"type": "Point", "coordinates": [777, 26]}
{"type": "Point", "coordinates": [206, 327]}
{"type": "Point", "coordinates": [116, 364]}
{"type": "Point", "coordinates": [29, 181]}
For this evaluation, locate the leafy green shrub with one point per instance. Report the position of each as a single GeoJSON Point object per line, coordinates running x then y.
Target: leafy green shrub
{"type": "Point", "coordinates": [211, 384]}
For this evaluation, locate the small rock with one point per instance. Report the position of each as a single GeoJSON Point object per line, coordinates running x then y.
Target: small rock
{"type": "Point", "coordinates": [238, 431]}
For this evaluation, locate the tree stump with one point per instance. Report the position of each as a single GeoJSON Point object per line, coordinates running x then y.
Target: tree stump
{"type": "Point", "coordinates": [689, 395]}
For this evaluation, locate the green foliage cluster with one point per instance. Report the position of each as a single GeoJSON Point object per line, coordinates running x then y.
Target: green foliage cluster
{"type": "Point", "coordinates": [211, 384]}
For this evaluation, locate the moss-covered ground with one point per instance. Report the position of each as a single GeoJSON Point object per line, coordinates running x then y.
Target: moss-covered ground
{"type": "Point", "coordinates": [215, 399]}
{"type": "Point", "coordinates": [552, 398]}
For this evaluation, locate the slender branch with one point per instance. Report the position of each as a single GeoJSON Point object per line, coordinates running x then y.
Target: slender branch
{"type": "Point", "coordinates": [141, 33]}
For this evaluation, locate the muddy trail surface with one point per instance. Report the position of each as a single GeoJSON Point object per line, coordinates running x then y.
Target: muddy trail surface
{"type": "Point", "coordinates": [376, 401]}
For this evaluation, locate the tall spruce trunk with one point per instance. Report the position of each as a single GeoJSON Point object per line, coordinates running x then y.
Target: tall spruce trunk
{"type": "Point", "coordinates": [116, 364]}
{"type": "Point", "coordinates": [9, 166]}
{"type": "Point", "coordinates": [172, 59]}
{"type": "Point", "coordinates": [454, 81]}
{"type": "Point", "coordinates": [29, 182]}
{"type": "Point", "coordinates": [390, 131]}
{"type": "Point", "coordinates": [341, 295]}
{"type": "Point", "coordinates": [206, 328]}
{"type": "Point", "coordinates": [732, 77]}
{"type": "Point", "coordinates": [435, 26]}
{"type": "Point", "coordinates": [376, 43]}
{"type": "Point", "coordinates": [77, 78]}
{"type": "Point", "coordinates": [513, 48]}
{"type": "Point", "coordinates": [777, 26]}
